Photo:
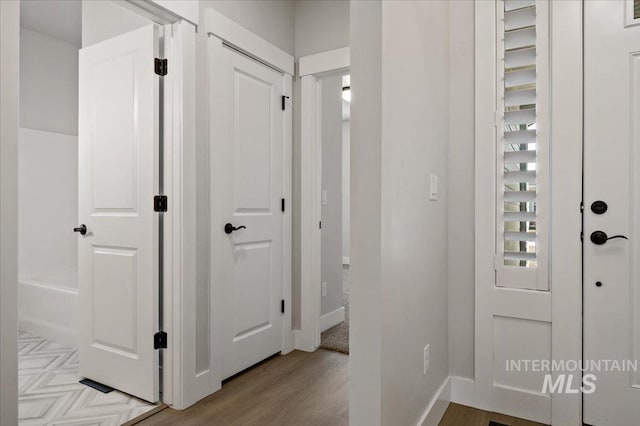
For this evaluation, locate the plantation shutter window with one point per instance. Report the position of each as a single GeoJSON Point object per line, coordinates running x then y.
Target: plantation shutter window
{"type": "Point", "coordinates": [522, 134]}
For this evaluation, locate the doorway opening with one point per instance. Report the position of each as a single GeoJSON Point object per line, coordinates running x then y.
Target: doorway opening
{"type": "Point", "coordinates": [57, 308]}
{"type": "Point", "coordinates": [324, 202]}
{"type": "Point", "coordinates": [335, 119]}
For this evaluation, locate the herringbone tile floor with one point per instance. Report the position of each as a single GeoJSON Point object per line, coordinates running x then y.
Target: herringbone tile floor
{"type": "Point", "coordinates": [49, 392]}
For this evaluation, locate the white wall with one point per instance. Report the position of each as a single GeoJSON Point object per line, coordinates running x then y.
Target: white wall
{"type": "Point", "coordinates": [403, 301]}
{"type": "Point", "coordinates": [365, 339]}
{"type": "Point", "coordinates": [47, 202]}
{"type": "Point", "coordinates": [9, 121]}
{"type": "Point", "coordinates": [103, 19]}
{"type": "Point", "coordinates": [48, 189]}
{"type": "Point", "coordinates": [49, 89]}
{"type": "Point", "coordinates": [461, 189]}
{"type": "Point", "coordinates": [272, 20]}
{"type": "Point", "coordinates": [331, 240]}
{"type": "Point", "coordinates": [415, 140]}
{"type": "Point", "coordinates": [320, 26]}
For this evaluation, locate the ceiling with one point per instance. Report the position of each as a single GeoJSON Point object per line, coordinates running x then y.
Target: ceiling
{"type": "Point", "coordinates": [60, 19]}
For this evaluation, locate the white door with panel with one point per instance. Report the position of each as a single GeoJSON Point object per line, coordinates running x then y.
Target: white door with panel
{"type": "Point", "coordinates": [612, 175]}
{"type": "Point", "coordinates": [246, 149]}
{"type": "Point", "coordinates": [118, 177]}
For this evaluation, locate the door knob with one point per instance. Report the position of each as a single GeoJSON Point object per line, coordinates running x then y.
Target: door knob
{"type": "Point", "coordinates": [229, 228]}
{"type": "Point", "coordinates": [600, 237]}
{"type": "Point", "coordinates": [82, 229]}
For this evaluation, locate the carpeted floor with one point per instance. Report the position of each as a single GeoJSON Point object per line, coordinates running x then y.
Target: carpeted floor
{"type": "Point", "coordinates": [337, 338]}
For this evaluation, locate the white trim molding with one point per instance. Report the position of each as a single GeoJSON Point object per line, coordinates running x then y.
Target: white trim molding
{"type": "Point", "coordinates": [222, 34]}
{"type": "Point", "coordinates": [566, 195]}
{"type": "Point", "coordinates": [308, 339]}
{"type": "Point", "coordinates": [331, 60]}
{"type": "Point", "coordinates": [9, 122]}
{"type": "Point", "coordinates": [511, 322]}
{"type": "Point", "coordinates": [247, 42]}
{"type": "Point", "coordinates": [437, 406]}
{"type": "Point", "coordinates": [182, 387]}
{"type": "Point", "coordinates": [331, 319]}
{"type": "Point", "coordinates": [463, 391]}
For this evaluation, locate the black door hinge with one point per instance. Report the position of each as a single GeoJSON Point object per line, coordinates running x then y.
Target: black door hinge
{"type": "Point", "coordinates": [160, 66]}
{"type": "Point", "coordinates": [160, 203]}
{"type": "Point", "coordinates": [581, 207]}
{"type": "Point", "coordinates": [320, 224]}
{"type": "Point", "coordinates": [160, 340]}
{"type": "Point", "coordinates": [282, 205]}
{"type": "Point", "coordinates": [284, 98]}
{"type": "Point", "coordinates": [282, 306]}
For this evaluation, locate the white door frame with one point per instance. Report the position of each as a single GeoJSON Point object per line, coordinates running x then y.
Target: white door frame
{"type": "Point", "coordinates": [179, 179]}
{"type": "Point", "coordinates": [239, 38]}
{"type": "Point", "coordinates": [9, 122]}
{"type": "Point", "coordinates": [565, 308]}
{"type": "Point", "coordinates": [310, 68]}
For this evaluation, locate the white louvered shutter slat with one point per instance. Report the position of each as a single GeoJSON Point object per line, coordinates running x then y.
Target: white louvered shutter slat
{"type": "Point", "coordinates": [523, 143]}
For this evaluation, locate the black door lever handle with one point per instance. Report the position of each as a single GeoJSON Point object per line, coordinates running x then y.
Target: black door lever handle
{"type": "Point", "coordinates": [229, 228]}
{"type": "Point", "coordinates": [82, 229]}
{"type": "Point", "coordinates": [600, 237]}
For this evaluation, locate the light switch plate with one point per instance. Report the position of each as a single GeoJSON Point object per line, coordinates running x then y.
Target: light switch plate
{"type": "Point", "coordinates": [324, 289]}
{"type": "Point", "coordinates": [433, 190]}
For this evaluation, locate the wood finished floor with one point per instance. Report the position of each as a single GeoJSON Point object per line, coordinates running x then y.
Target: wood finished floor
{"type": "Point", "coordinates": [299, 388]}
{"type": "Point", "coordinates": [460, 415]}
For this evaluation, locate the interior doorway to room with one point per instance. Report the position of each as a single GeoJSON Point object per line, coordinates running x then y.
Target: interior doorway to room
{"type": "Point", "coordinates": [325, 199]}
{"type": "Point", "coordinates": [335, 120]}
{"type": "Point", "coordinates": [611, 246]}
{"type": "Point", "coordinates": [247, 152]}
{"type": "Point", "coordinates": [89, 167]}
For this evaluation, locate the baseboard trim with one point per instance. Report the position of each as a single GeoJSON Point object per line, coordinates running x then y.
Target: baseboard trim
{"type": "Point", "coordinates": [59, 334]}
{"type": "Point", "coordinates": [437, 406]}
{"type": "Point", "coordinates": [331, 319]}
{"type": "Point", "coordinates": [346, 260]}
{"type": "Point", "coordinates": [463, 391]}
{"type": "Point", "coordinates": [534, 406]}
{"type": "Point", "coordinates": [507, 400]}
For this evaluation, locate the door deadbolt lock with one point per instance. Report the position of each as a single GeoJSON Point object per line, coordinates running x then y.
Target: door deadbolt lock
{"type": "Point", "coordinates": [599, 207]}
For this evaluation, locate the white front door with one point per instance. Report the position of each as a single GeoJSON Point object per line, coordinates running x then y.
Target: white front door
{"type": "Point", "coordinates": [612, 176]}
{"type": "Point", "coordinates": [118, 177]}
{"type": "Point", "coordinates": [247, 187]}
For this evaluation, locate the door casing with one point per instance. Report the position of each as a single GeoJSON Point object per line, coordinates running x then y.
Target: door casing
{"type": "Point", "coordinates": [179, 229]}
{"type": "Point", "coordinates": [239, 38]}
{"type": "Point", "coordinates": [310, 69]}
{"type": "Point", "coordinates": [565, 307]}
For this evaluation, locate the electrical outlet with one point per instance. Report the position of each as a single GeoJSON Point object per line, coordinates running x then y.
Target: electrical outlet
{"type": "Point", "coordinates": [324, 289]}
{"type": "Point", "coordinates": [427, 359]}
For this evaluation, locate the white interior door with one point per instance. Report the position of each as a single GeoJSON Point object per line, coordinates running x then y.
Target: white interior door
{"type": "Point", "coordinates": [118, 178]}
{"type": "Point", "coordinates": [247, 187]}
{"type": "Point", "coordinates": [612, 175]}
